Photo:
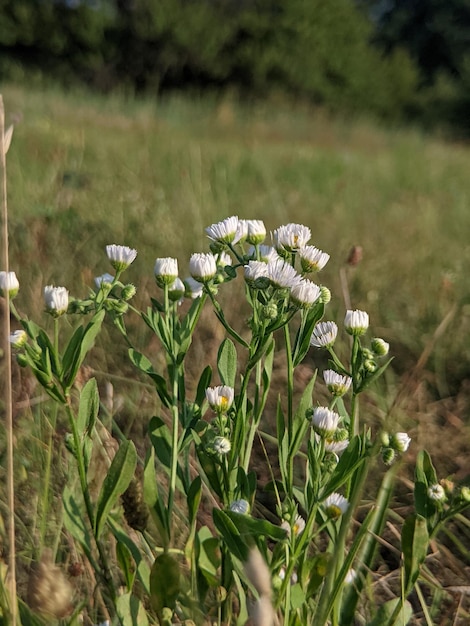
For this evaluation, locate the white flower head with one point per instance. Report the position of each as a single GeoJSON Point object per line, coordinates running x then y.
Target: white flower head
{"type": "Point", "coordinates": [18, 339]}
{"type": "Point", "coordinates": [256, 232]}
{"type": "Point", "coordinates": [291, 237]}
{"type": "Point", "coordinates": [338, 384]}
{"type": "Point", "coordinates": [176, 290]}
{"type": "Point", "coordinates": [222, 445]}
{"type": "Point", "coordinates": [224, 232]}
{"type": "Point", "coordinates": [193, 288]}
{"type": "Point", "coordinates": [296, 528]}
{"type": "Point", "coordinates": [56, 300]}
{"type": "Point", "coordinates": [165, 270]}
{"type": "Point", "coordinates": [105, 280]}
{"type": "Point", "coordinates": [254, 271]}
{"type": "Point", "coordinates": [263, 253]}
{"type": "Point", "coordinates": [9, 283]}
{"type": "Point", "coordinates": [356, 322]}
{"type": "Point", "coordinates": [325, 422]}
{"type": "Point", "coordinates": [351, 576]}
{"type": "Point", "coordinates": [312, 259]}
{"type": "Point", "coordinates": [120, 256]}
{"type": "Point", "coordinates": [220, 398]}
{"type": "Point", "coordinates": [437, 493]}
{"type": "Point", "coordinates": [336, 447]}
{"type": "Point", "coordinates": [240, 506]}
{"type": "Point", "coordinates": [335, 505]}
{"type": "Point", "coordinates": [282, 275]}
{"type": "Point", "coordinates": [400, 442]}
{"type": "Point", "coordinates": [223, 259]}
{"type": "Point", "coordinates": [324, 335]}
{"type": "Point", "coordinates": [305, 293]}
{"type": "Point", "coordinates": [202, 266]}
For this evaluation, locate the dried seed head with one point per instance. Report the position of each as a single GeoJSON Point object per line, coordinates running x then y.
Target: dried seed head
{"type": "Point", "coordinates": [135, 509]}
{"type": "Point", "coordinates": [49, 591]}
{"type": "Point", "coordinates": [354, 256]}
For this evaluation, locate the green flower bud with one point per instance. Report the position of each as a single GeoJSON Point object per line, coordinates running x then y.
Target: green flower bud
{"type": "Point", "coordinates": [465, 493]}
{"type": "Point", "coordinates": [388, 455]}
{"type": "Point", "coordinates": [22, 360]}
{"type": "Point", "coordinates": [379, 346]}
{"type": "Point", "coordinates": [325, 294]}
{"type": "Point", "coordinates": [370, 366]}
{"type": "Point", "coordinates": [128, 292]}
{"type": "Point", "coordinates": [270, 311]}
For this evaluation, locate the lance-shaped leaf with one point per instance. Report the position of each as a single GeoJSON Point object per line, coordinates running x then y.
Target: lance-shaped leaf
{"type": "Point", "coordinates": [227, 363]}
{"type": "Point", "coordinates": [230, 534]}
{"type": "Point", "coordinates": [74, 520]}
{"type": "Point", "coordinates": [414, 545]}
{"type": "Point", "coordinates": [388, 614]}
{"type": "Point", "coordinates": [131, 611]}
{"type": "Point", "coordinates": [116, 482]}
{"type": "Point", "coordinates": [78, 353]}
{"type": "Point", "coordinates": [144, 365]}
{"type": "Point", "coordinates": [88, 407]}
{"type": "Point", "coordinates": [165, 583]}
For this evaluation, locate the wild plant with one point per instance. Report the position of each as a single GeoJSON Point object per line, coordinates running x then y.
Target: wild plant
{"type": "Point", "coordinates": [179, 536]}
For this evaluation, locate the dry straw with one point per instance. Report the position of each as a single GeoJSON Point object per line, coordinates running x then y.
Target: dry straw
{"type": "Point", "coordinates": [5, 138]}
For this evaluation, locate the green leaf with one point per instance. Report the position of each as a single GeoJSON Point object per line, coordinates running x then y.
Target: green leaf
{"type": "Point", "coordinates": [126, 561]}
{"type": "Point", "coordinates": [302, 341]}
{"type": "Point", "coordinates": [204, 383]}
{"type": "Point", "coordinates": [300, 422]}
{"type": "Point", "coordinates": [230, 535]}
{"type": "Point", "coordinates": [425, 475]}
{"type": "Point", "coordinates": [251, 527]}
{"type": "Point", "coordinates": [297, 597]}
{"type": "Point", "coordinates": [88, 338]}
{"type": "Point", "coordinates": [88, 407]}
{"type": "Point", "coordinates": [144, 365]}
{"type": "Point", "coordinates": [142, 568]}
{"type": "Point", "coordinates": [131, 611]}
{"type": "Point", "coordinates": [210, 470]}
{"type": "Point", "coordinates": [74, 520]}
{"type": "Point", "coordinates": [194, 498]}
{"type": "Point", "coordinates": [354, 455]}
{"type": "Point", "coordinates": [414, 545]}
{"type": "Point", "coordinates": [387, 616]}
{"type": "Point", "coordinates": [208, 556]}
{"type": "Point", "coordinates": [165, 584]}
{"type": "Point", "coordinates": [227, 363]}
{"type": "Point", "coordinates": [161, 440]}
{"type": "Point", "coordinates": [72, 352]}
{"type": "Point", "coordinates": [116, 482]}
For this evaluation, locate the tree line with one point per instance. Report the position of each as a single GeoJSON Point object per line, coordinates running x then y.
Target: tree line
{"type": "Point", "coordinates": [396, 59]}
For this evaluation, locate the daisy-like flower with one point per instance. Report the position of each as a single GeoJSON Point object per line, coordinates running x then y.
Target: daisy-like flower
{"type": "Point", "coordinates": [379, 346]}
{"type": "Point", "coordinates": [176, 290]}
{"type": "Point", "coordinates": [325, 422]}
{"type": "Point", "coordinates": [436, 492]}
{"type": "Point", "coordinates": [56, 300]}
{"type": "Point", "coordinates": [305, 294]}
{"type": "Point", "coordinates": [9, 283]}
{"type": "Point", "coordinates": [400, 442]}
{"type": "Point", "coordinates": [291, 237]}
{"type": "Point", "coordinates": [337, 384]}
{"type": "Point", "coordinates": [165, 271]}
{"type": "Point", "coordinates": [224, 232]}
{"type": "Point", "coordinates": [312, 259]}
{"type": "Point", "coordinates": [324, 335]}
{"type": "Point", "coordinates": [335, 505]}
{"type": "Point", "coordinates": [220, 398]}
{"type": "Point", "coordinates": [202, 266]}
{"type": "Point", "coordinates": [120, 256]}
{"type": "Point", "coordinates": [256, 231]}
{"type": "Point", "coordinates": [351, 576]}
{"type": "Point", "coordinates": [336, 447]}
{"type": "Point", "coordinates": [297, 527]}
{"type": "Point", "coordinates": [254, 271]}
{"type": "Point", "coordinates": [105, 280]}
{"type": "Point", "coordinates": [193, 288]}
{"type": "Point", "coordinates": [222, 445]}
{"type": "Point", "coordinates": [240, 506]}
{"type": "Point", "coordinates": [356, 322]}
{"type": "Point", "coordinates": [264, 253]}
{"type": "Point", "coordinates": [223, 259]}
{"type": "Point", "coordinates": [18, 339]}
{"type": "Point", "coordinates": [282, 275]}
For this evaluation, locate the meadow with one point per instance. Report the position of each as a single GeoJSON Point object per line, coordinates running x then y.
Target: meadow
{"type": "Point", "coordinates": [85, 171]}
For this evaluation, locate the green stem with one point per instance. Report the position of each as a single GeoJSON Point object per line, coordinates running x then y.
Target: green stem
{"type": "Point", "coordinates": [174, 447]}
{"type": "Point", "coordinates": [105, 569]}
{"type": "Point", "coordinates": [255, 419]}
{"type": "Point", "coordinates": [47, 475]}
{"type": "Point", "coordinates": [290, 415]}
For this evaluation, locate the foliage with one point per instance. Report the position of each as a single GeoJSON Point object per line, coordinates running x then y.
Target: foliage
{"type": "Point", "coordinates": [311, 563]}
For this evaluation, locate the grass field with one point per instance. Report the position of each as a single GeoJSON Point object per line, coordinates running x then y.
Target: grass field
{"type": "Point", "coordinates": [85, 171]}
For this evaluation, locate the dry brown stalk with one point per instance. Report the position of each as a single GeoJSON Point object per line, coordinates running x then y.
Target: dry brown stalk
{"type": "Point", "coordinates": [4, 141]}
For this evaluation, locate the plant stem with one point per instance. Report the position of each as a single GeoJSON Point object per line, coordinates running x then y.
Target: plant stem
{"type": "Point", "coordinates": [8, 382]}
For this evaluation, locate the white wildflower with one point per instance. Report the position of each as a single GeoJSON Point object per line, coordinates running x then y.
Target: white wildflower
{"type": "Point", "coordinates": [105, 280]}
{"type": "Point", "coordinates": [18, 339]}
{"type": "Point", "coordinates": [312, 259]}
{"type": "Point", "coordinates": [256, 231]}
{"type": "Point", "coordinates": [56, 300]}
{"type": "Point", "coordinates": [437, 493]}
{"type": "Point", "coordinates": [202, 266]}
{"type": "Point", "coordinates": [282, 275]}
{"type": "Point", "coordinates": [335, 505]}
{"type": "Point", "coordinates": [222, 445]}
{"type": "Point", "coordinates": [325, 422]}
{"type": "Point", "coordinates": [120, 256]}
{"type": "Point", "coordinates": [305, 293]}
{"type": "Point", "coordinates": [291, 237]}
{"type": "Point", "coordinates": [9, 283]}
{"type": "Point", "coordinates": [324, 335]}
{"type": "Point", "coordinates": [225, 231]}
{"type": "Point", "coordinates": [240, 506]}
{"type": "Point", "coordinates": [356, 322]}
{"type": "Point", "coordinates": [400, 442]}
{"type": "Point", "coordinates": [165, 271]}
{"type": "Point", "coordinates": [193, 288]}
{"type": "Point", "coordinates": [338, 384]}
{"type": "Point", "coordinates": [220, 398]}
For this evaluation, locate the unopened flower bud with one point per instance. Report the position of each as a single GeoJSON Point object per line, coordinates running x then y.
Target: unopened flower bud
{"type": "Point", "coordinates": [9, 283]}
{"type": "Point", "coordinates": [356, 322]}
{"type": "Point", "coordinates": [400, 442]}
{"type": "Point", "coordinates": [18, 339]}
{"type": "Point", "coordinates": [388, 455]}
{"type": "Point", "coordinates": [379, 346]}
{"type": "Point", "coordinates": [270, 311]}
{"type": "Point", "coordinates": [465, 493]}
{"type": "Point", "coordinates": [436, 493]}
{"type": "Point", "coordinates": [176, 290]}
{"type": "Point", "coordinates": [240, 506]}
{"type": "Point", "coordinates": [325, 294]}
{"type": "Point", "coordinates": [128, 292]}
{"type": "Point", "coordinates": [370, 366]}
